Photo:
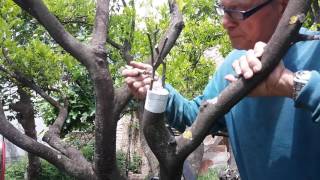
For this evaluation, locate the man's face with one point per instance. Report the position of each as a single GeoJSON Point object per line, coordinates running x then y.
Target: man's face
{"type": "Point", "coordinates": [258, 27]}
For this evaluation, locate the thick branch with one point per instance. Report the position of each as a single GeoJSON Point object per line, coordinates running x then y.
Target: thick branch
{"type": "Point", "coordinates": [122, 98]}
{"type": "Point", "coordinates": [84, 171]}
{"type": "Point", "coordinates": [172, 34]}
{"type": "Point", "coordinates": [99, 36]}
{"type": "Point", "coordinates": [52, 137]}
{"type": "Point", "coordinates": [25, 116]}
{"type": "Point", "coordinates": [37, 9]}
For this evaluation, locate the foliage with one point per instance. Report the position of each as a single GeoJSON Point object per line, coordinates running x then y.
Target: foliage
{"type": "Point", "coordinates": [88, 151]}
{"type": "Point", "coordinates": [188, 70]}
{"type": "Point", "coordinates": [210, 175]}
{"type": "Point", "coordinates": [134, 165]}
{"type": "Point", "coordinates": [16, 171]}
{"type": "Point", "coordinates": [81, 103]}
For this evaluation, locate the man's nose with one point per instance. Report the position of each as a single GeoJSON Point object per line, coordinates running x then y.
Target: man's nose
{"type": "Point", "coordinates": [228, 22]}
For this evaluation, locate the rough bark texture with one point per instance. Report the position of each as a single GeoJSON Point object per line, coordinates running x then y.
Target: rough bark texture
{"type": "Point", "coordinates": [26, 118]}
{"type": "Point", "coordinates": [152, 160]}
{"type": "Point", "coordinates": [170, 152]}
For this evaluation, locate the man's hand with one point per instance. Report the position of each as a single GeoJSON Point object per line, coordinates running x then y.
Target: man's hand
{"type": "Point", "coordinates": [279, 82]}
{"type": "Point", "coordinates": [138, 77]}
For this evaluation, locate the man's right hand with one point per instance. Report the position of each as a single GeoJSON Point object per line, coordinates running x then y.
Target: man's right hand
{"type": "Point", "coordinates": [138, 77]}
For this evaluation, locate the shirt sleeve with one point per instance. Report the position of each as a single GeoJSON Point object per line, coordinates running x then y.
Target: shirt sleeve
{"type": "Point", "coordinates": [309, 96]}
{"type": "Point", "coordinates": [181, 112]}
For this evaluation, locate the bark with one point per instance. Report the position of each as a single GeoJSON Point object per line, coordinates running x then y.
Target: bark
{"type": "Point", "coordinates": [170, 152]}
{"type": "Point", "coordinates": [52, 135]}
{"type": "Point", "coordinates": [105, 119]}
{"type": "Point", "coordinates": [30, 145]}
{"type": "Point", "coordinates": [93, 57]}
{"type": "Point", "coordinates": [26, 118]}
{"type": "Point", "coordinates": [153, 163]}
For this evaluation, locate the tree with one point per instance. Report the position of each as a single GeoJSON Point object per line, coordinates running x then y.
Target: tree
{"type": "Point", "coordinates": [109, 99]}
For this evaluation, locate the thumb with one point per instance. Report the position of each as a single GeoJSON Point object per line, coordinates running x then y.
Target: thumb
{"type": "Point", "coordinates": [259, 48]}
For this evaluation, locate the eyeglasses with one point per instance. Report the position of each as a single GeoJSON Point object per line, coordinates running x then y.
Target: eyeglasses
{"type": "Point", "coordinates": [238, 14]}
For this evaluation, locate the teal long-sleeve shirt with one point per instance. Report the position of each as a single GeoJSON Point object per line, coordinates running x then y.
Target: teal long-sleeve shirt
{"type": "Point", "coordinates": [271, 137]}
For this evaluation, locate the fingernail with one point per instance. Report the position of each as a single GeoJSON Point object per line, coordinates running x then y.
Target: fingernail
{"type": "Point", "coordinates": [256, 68]}
{"type": "Point", "coordinates": [248, 75]}
{"type": "Point", "coordinates": [238, 71]}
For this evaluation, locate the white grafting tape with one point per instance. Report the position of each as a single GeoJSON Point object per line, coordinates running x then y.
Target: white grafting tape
{"type": "Point", "coordinates": [156, 100]}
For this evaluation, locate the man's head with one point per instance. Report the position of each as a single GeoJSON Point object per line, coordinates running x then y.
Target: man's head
{"type": "Point", "coordinates": [258, 24]}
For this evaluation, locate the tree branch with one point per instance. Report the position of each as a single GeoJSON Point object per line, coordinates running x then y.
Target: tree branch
{"type": "Point", "coordinates": [124, 3]}
{"type": "Point", "coordinates": [100, 29]}
{"type": "Point", "coordinates": [37, 9]}
{"type": "Point", "coordinates": [172, 33]}
{"type": "Point", "coordinates": [122, 99]}
{"type": "Point", "coordinates": [84, 171]}
{"type": "Point", "coordinates": [114, 44]}
{"type": "Point", "coordinates": [52, 136]}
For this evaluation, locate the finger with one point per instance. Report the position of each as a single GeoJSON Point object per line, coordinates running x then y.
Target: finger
{"type": "Point", "coordinates": [130, 72]}
{"type": "Point", "coordinates": [236, 67]}
{"type": "Point", "coordinates": [259, 48]}
{"type": "Point", "coordinates": [138, 84]}
{"type": "Point", "coordinates": [231, 78]}
{"type": "Point", "coordinates": [142, 92]}
{"type": "Point", "coordinates": [254, 63]}
{"type": "Point", "coordinates": [147, 81]}
{"type": "Point", "coordinates": [131, 80]}
{"type": "Point", "coordinates": [140, 65]}
{"type": "Point", "coordinates": [245, 69]}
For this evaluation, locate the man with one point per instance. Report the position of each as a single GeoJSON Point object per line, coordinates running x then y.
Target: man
{"type": "Point", "coordinates": [273, 132]}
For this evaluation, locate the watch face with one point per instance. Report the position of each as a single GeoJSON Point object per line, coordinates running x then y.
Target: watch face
{"type": "Point", "coordinates": [302, 76]}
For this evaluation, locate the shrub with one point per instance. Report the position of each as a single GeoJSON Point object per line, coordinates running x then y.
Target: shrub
{"type": "Point", "coordinates": [135, 162]}
{"type": "Point", "coordinates": [17, 170]}
{"type": "Point", "coordinates": [211, 175]}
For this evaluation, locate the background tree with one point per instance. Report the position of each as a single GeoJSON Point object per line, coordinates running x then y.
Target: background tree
{"type": "Point", "coordinates": [109, 102]}
{"type": "Point", "coordinates": [29, 45]}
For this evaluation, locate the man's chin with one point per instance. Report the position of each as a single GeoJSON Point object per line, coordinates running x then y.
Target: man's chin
{"type": "Point", "coordinates": [239, 45]}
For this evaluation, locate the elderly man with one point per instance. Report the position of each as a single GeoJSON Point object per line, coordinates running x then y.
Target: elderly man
{"type": "Point", "coordinates": [274, 133]}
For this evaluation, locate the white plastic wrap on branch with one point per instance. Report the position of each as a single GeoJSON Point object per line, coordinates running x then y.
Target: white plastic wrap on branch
{"type": "Point", "coordinates": [156, 100]}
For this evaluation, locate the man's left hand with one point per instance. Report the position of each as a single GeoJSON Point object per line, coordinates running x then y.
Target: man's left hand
{"type": "Point", "coordinates": [279, 82]}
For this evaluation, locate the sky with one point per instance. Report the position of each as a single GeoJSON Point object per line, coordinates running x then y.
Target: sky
{"type": "Point", "coordinates": [144, 9]}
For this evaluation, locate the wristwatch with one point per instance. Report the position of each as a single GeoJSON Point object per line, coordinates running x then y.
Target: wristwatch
{"type": "Point", "coordinates": [301, 78]}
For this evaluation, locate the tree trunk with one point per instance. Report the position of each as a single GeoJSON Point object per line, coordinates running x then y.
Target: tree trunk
{"type": "Point", "coordinates": [153, 163]}
{"type": "Point", "coordinates": [25, 116]}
